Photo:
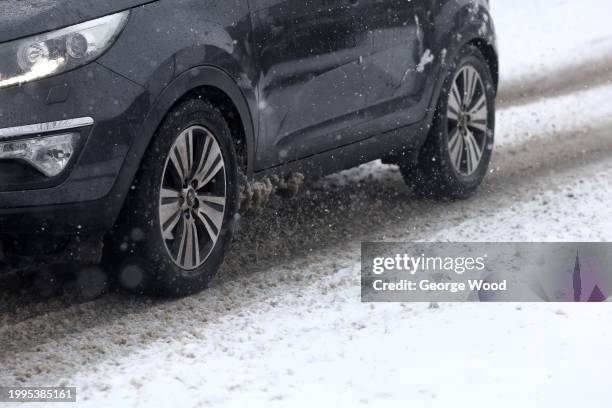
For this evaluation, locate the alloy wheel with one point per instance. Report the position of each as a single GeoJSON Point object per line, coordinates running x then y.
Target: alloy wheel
{"type": "Point", "coordinates": [192, 197]}
{"type": "Point", "coordinates": [467, 117]}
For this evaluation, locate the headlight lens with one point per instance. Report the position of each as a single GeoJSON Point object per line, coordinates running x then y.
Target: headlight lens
{"type": "Point", "coordinates": [58, 51]}
{"type": "Point", "coordinates": [50, 154]}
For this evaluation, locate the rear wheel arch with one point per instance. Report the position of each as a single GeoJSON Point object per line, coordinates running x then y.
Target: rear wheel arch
{"type": "Point", "coordinates": [490, 54]}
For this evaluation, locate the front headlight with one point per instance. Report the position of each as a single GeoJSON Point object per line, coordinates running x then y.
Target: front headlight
{"type": "Point", "coordinates": [52, 53]}
{"type": "Point", "coordinates": [49, 154]}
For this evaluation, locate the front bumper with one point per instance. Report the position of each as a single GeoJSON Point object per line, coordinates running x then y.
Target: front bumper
{"type": "Point", "coordinates": [88, 195]}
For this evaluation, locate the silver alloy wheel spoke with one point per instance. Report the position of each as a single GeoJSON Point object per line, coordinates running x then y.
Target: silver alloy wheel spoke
{"type": "Point", "coordinates": [182, 245]}
{"type": "Point", "coordinates": [192, 208]}
{"type": "Point", "coordinates": [479, 110]}
{"type": "Point", "coordinates": [167, 211]}
{"type": "Point", "coordinates": [189, 145]}
{"type": "Point", "coordinates": [470, 81]}
{"type": "Point", "coordinates": [207, 226]}
{"type": "Point", "coordinates": [478, 125]}
{"type": "Point", "coordinates": [454, 103]}
{"type": "Point", "coordinates": [205, 161]}
{"type": "Point", "coordinates": [205, 155]}
{"type": "Point", "coordinates": [212, 214]}
{"type": "Point", "coordinates": [456, 148]}
{"type": "Point", "coordinates": [211, 166]}
{"type": "Point", "coordinates": [196, 244]}
{"type": "Point", "coordinates": [170, 193]}
{"type": "Point", "coordinates": [183, 154]}
{"type": "Point", "coordinates": [191, 244]}
{"type": "Point", "coordinates": [473, 152]}
{"type": "Point", "coordinates": [211, 174]}
{"type": "Point", "coordinates": [176, 161]}
{"type": "Point", "coordinates": [211, 199]}
{"type": "Point", "coordinates": [167, 232]}
{"type": "Point", "coordinates": [467, 121]}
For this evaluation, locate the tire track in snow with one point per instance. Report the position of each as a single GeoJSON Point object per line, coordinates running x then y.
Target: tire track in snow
{"type": "Point", "coordinates": [565, 80]}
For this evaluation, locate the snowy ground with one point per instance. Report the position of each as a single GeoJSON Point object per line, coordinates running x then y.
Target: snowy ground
{"type": "Point", "coordinates": [284, 326]}
{"type": "Point", "coordinates": [537, 37]}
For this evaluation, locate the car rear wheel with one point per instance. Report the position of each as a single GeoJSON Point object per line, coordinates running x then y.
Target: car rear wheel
{"type": "Point", "coordinates": [182, 208]}
{"type": "Point", "coordinates": [456, 156]}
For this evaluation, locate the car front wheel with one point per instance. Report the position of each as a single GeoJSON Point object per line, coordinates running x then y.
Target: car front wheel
{"type": "Point", "coordinates": [181, 212]}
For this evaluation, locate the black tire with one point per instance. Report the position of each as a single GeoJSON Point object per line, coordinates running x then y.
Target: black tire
{"type": "Point", "coordinates": [150, 267]}
{"type": "Point", "coordinates": [435, 176]}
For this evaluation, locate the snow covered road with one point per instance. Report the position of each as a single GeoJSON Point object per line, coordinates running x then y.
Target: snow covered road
{"type": "Point", "coordinates": [283, 325]}
{"type": "Point", "coordinates": [285, 320]}
{"type": "Point", "coordinates": [549, 47]}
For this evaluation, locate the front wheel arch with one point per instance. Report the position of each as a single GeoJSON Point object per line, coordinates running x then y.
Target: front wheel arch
{"type": "Point", "coordinates": [204, 82]}
{"type": "Point", "coordinates": [216, 86]}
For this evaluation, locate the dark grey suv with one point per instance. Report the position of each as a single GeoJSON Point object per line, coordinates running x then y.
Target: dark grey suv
{"type": "Point", "coordinates": [148, 118]}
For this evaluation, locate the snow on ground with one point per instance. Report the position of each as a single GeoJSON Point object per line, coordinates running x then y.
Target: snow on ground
{"type": "Point", "coordinates": [320, 346]}
{"type": "Point", "coordinates": [580, 111]}
{"type": "Point", "coordinates": [575, 208]}
{"type": "Point", "coordinates": [537, 37]}
{"type": "Point", "coordinates": [343, 353]}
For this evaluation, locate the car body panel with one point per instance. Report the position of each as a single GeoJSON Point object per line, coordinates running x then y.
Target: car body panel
{"type": "Point", "coordinates": [213, 35]}
{"type": "Point", "coordinates": [310, 76]}
{"type": "Point", "coordinates": [104, 146]}
{"type": "Point", "coordinates": [395, 80]}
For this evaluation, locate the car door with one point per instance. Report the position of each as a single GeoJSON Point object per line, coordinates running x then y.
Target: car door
{"type": "Point", "coordinates": [310, 73]}
{"type": "Point", "coordinates": [398, 63]}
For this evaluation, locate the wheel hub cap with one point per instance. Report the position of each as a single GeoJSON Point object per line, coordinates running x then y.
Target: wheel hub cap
{"type": "Point", "coordinates": [192, 199]}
